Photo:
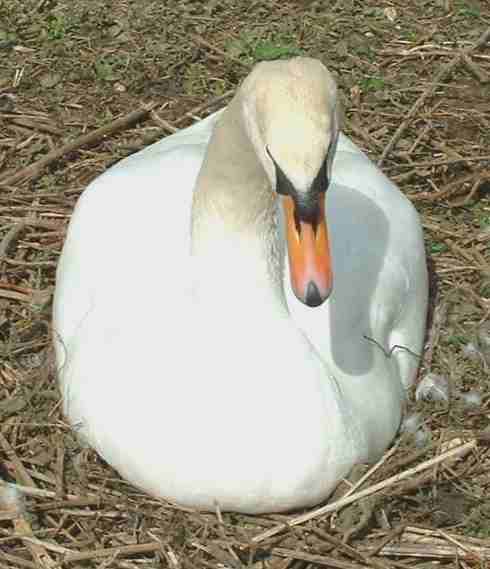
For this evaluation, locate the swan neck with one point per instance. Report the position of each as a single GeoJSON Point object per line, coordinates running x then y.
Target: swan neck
{"type": "Point", "coordinates": [234, 231]}
{"type": "Point", "coordinates": [232, 181]}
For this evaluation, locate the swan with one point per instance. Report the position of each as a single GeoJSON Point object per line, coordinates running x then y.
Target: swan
{"type": "Point", "coordinates": [227, 299]}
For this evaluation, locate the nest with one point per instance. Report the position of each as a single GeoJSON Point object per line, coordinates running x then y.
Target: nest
{"type": "Point", "coordinates": [416, 84]}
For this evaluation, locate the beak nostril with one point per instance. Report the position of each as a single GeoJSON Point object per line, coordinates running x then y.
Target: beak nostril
{"type": "Point", "coordinates": [313, 296]}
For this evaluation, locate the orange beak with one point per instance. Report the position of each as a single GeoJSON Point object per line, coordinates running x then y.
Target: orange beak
{"type": "Point", "coordinates": [310, 263]}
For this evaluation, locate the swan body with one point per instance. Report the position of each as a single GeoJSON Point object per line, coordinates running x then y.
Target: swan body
{"type": "Point", "coordinates": [186, 354]}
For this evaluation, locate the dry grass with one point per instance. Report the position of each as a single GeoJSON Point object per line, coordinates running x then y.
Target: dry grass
{"type": "Point", "coordinates": [416, 90]}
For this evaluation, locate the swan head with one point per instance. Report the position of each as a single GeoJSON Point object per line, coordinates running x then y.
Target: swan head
{"type": "Point", "coordinates": [291, 117]}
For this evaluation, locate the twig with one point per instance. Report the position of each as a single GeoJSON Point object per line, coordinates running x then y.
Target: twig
{"type": "Point", "coordinates": [14, 295]}
{"type": "Point", "coordinates": [60, 468]}
{"type": "Point", "coordinates": [35, 170]}
{"type": "Point", "coordinates": [324, 560]}
{"type": "Point", "coordinates": [162, 123]}
{"type": "Point", "coordinates": [204, 106]}
{"type": "Point", "coordinates": [18, 561]}
{"type": "Point", "coordinates": [223, 557]}
{"type": "Point", "coordinates": [9, 238]}
{"type": "Point", "coordinates": [19, 263]}
{"type": "Point", "coordinates": [386, 540]}
{"type": "Point", "coordinates": [470, 195]}
{"type": "Point", "coordinates": [211, 47]}
{"type": "Point", "coordinates": [454, 452]}
{"type": "Point", "coordinates": [475, 69]}
{"type": "Point", "coordinates": [451, 188]}
{"type": "Point", "coordinates": [348, 549]}
{"type": "Point", "coordinates": [46, 545]}
{"type": "Point", "coordinates": [447, 161]}
{"type": "Point", "coordinates": [417, 533]}
{"type": "Point", "coordinates": [42, 126]}
{"type": "Point", "coordinates": [21, 472]}
{"type": "Point", "coordinates": [410, 485]}
{"type": "Point", "coordinates": [67, 504]}
{"type": "Point", "coordinates": [32, 491]}
{"type": "Point", "coordinates": [438, 322]}
{"type": "Point", "coordinates": [443, 73]}
{"type": "Point", "coordinates": [119, 551]}
{"type": "Point", "coordinates": [174, 126]}
{"type": "Point", "coordinates": [421, 136]}
{"type": "Point", "coordinates": [455, 541]}
{"type": "Point", "coordinates": [21, 524]}
{"type": "Point", "coordinates": [372, 470]}
{"type": "Point", "coordinates": [476, 553]}
{"type": "Point", "coordinates": [407, 458]}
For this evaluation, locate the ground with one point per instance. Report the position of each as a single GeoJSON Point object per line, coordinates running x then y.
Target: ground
{"type": "Point", "coordinates": [415, 84]}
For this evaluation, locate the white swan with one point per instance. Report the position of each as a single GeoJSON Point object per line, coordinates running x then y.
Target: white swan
{"type": "Point", "coordinates": [184, 357]}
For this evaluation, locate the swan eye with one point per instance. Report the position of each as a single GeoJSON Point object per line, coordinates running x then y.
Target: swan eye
{"type": "Point", "coordinates": [332, 149]}
{"type": "Point", "coordinates": [321, 181]}
{"type": "Point", "coordinates": [284, 187]}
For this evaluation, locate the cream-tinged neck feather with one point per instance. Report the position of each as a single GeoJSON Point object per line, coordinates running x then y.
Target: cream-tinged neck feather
{"type": "Point", "coordinates": [232, 187]}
